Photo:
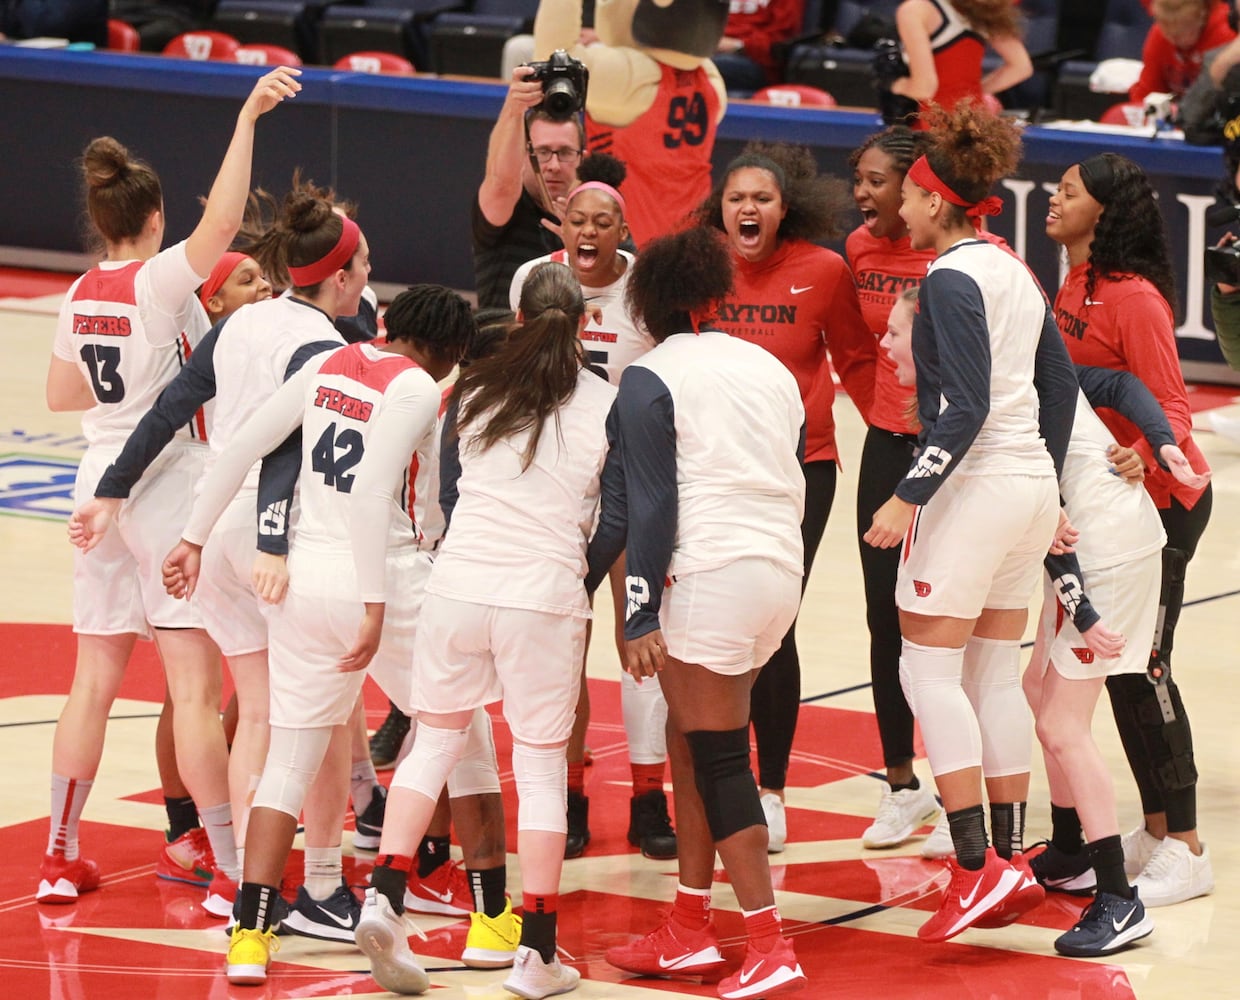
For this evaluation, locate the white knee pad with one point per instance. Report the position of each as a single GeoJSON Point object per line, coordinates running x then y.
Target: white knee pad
{"type": "Point", "coordinates": [645, 719]}
{"type": "Point", "coordinates": [435, 753]}
{"type": "Point", "coordinates": [991, 682]}
{"type": "Point", "coordinates": [476, 772]}
{"type": "Point", "coordinates": [542, 783]}
{"type": "Point", "coordinates": [948, 726]}
{"type": "Point", "coordinates": [293, 759]}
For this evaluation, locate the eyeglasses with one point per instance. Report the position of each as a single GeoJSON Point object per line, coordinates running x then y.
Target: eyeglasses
{"type": "Point", "coordinates": [544, 155]}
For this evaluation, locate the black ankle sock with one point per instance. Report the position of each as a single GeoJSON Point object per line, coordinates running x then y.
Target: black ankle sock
{"type": "Point", "coordinates": [1106, 856]}
{"type": "Point", "coordinates": [487, 886]}
{"type": "Point", "coordinates": [1065, 829]}
{"type": "Point", "coordinates": [911, 786]}
{"type": "Point", "coordinates": [182, 816]}
{"type": "Point", "coordinates": [432, 852]}
{"type": "Point", "coordinates": [255, 905]}
{"type": "Point", "coordinates": [538, 932]}
{"type": "Point", "coordinates": [391, 881]}
{"type": "Point", "coordinates": [1007, 827]}
{"type": "Point", "coordinates": [968, 828]}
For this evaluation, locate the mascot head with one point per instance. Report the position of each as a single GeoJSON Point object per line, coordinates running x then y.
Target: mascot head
{"type": "Point", "coordinates": [681, 33]}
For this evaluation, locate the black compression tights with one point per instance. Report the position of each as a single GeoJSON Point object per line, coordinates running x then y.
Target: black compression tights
{"type": "Point", "coordinates": [775, 699]}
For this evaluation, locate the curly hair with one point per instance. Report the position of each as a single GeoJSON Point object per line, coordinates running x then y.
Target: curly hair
{"type": "Point", "coordinates": [1130, 236]}
{"type": "Point", "coordinates": [532, 373]}
{"type": "Point", "coordinates": [816, 203]}
{"type": "Point", "coordinates": [991, 18]}
{"type": "Point", "coordinates": [901, 143]}
{"type": "Point", "coordinates": [602, 167]}
{"type": "Point", "coordinates": [121, 191]}
{"type": "Point", "coordinates": [677, 279]}
{"type": "Point", "coordinates": [434, 318]}
{"type": "Point", "coordinates": [972, 148]}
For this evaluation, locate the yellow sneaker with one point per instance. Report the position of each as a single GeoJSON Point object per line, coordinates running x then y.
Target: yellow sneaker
{"type": "Point", "coordinates": [492, 941]}
{"type": "Point", "coordinates": [249, 951]}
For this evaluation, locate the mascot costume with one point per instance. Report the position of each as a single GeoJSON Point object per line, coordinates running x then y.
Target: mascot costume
{"type": "Point", "coordinates": [654, 101]}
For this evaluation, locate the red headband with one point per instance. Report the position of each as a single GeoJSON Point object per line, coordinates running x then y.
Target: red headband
{"type": "Point", "coordinates": [332, 261]}
{"type": "Point", "coordinates": [224, 267]}
{"type": "Point", "coordinates": [923, 175]}
{"type": "Point", "coordinates": [607, 189]}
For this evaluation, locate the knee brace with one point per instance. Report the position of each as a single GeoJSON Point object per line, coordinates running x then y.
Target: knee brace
{"type": "Point", "coordinates": [1170, 601]}
{"type": "Point", "coordinates": [645, 719]}
{"type": "Point", "coordinates": [724, 781]}
{"type": "Point", "coordinates": [948, 726]}
{"type": "Point", "coordinates": [476, 772]}
{"type": "Point", "coordinates": [991, 682]}
{"type": "Point", "coordinates": [293, 759]}
{"type": "Point", "coordinates": [541, 773]}
{"type": "Point", "coordinates": [1155, 714]}
{"type": "Point", "coordinates": [435, 753]}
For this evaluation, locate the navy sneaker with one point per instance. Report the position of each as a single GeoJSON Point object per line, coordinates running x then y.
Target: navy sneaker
{"type": "Point", "coordinates": [1108, 924]}
{"type": "Point", "coordinates": [1060, 872]}
{"type": "Point", "coordinates": [331, 919]}
{"type": "Point", "coordinates": [369, 826]}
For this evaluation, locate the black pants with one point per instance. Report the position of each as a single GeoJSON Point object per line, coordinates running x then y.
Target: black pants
{"type": "Point", "coordinates": [1184, 530]}
{"type": "Point", "coordinates": [885, 460]}
{"type": "Point", "coordinates": [775, 700]}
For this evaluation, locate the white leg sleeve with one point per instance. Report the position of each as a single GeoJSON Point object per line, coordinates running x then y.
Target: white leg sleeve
{"type": "Point", "coordinates": [435, 753]}
{"type": "Point", "coordinates": [948, 725]}
{"type": "Point", "coordinates": [645, 719]}
{"type": "Point", "coordinates": [992, 684]}
{"type": "Point", "coordinates": [476, 772]}
{"type": "Point", "coordinates": [293, 759]}
{"type": "Point", "coordinates": [542, 787]}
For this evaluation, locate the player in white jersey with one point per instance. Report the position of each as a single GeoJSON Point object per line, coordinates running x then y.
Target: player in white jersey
{"type": "Point", "coordinates": [593, 229]}
{"type": "Point", "coordinates": [239, 365]}
{"type": "Point", "coordinates": [505, 614]}
{"type": "Point", "coordinates": [362, 412]}
{"type": "Point", "coordinates": [704, 490]}
{"type": "Point", "coordinates": [126, 328]}
{"type": "Point", "coordinates": [976, 512]}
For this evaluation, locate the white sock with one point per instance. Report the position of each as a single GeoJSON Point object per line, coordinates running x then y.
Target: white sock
{"type": "Point", "coordinates": [362, 781]}
{"type": "Point", "coordinates": [68, 800]}
{"type": "Point", "coordinates": [217, 821]}
{"type": "Point", "coordinates": [323, 871]}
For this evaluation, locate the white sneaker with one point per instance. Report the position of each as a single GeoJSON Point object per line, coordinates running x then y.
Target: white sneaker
{"type": "Point", "coordinates": [899, 814]}
{"type": "Point", "coordinates": [939, 843]}
{"type": "Point", "coordinates": [534, 979]}
{"type": "Point", "coordinates": [1139, 846]}
{"type": "Point", "coordinates": [384, 938]}
{"type": "Point", "coordinates": [776, 823]}
{"type": "Point", "coordinates": [1174, 873]}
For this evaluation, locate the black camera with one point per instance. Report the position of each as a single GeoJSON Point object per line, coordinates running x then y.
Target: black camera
{"type": "Point", "coordinates": [564, 81]}
{"type": "Point", "coordinates": [888, 62]}
{"type": "Point", "coordinates": [1223, 265]}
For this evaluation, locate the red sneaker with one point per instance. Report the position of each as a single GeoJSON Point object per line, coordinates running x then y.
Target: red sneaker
{"type": "Point", "coordinates": [221, 895]}
{"type": "Point", "coordinates": [187, 859]}
{"type": "Point", "coordinates": [444, 891]}
{"type": "Point", "coordinates": [670, 950]}
{"type": "Point", "coordinates": [970, 895]}
{"type": "Point", "coordinates": [765, 974]}
{"type": "Point", "coordinates": [62, 881]}
{"type": "Point", "coordinates": [1028, 895]}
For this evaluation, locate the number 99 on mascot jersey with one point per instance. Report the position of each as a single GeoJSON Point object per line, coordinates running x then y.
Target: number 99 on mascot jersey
{"type": "Point", "coordinates": [655, 98]}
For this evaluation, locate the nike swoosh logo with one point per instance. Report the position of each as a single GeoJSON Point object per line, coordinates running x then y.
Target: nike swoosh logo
{"type": "Point", "coordinates": [797, 291]}
{"type": "Point", "coordinates": [443, 897]}
{"type": "Point", "coordinates": [341, 921]}
{"type": "Point", "coordinates": [967, 901]}
{"type": "Point", "coordinates": [748, 974]}
{"type": "Point", "coordinates": [1119, 925]}
{"type": "Point", "coordinates": [690, 959]}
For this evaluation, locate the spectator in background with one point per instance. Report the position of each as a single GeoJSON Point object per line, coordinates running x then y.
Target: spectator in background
{"type": "Point", "coordinates": [747, 56]}
{"type": "Point", "coordinates": [1183, 31]}
{"type": "Point", "coordinates": [517, 210]}
{"type": "Point", "coordinates": [76, 20]}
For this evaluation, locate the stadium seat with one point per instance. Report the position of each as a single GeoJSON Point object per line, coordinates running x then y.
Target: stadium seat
{"type": "Point", "coordinates": [1122, 36]}
{"type": "Point", "coordinates": [397, 26]}
{"type": "Point", "coordinates": [292, 24]}
{"type": "Point", "coordinates": [471, 44]}
{"type": "Point", "coordinates": [375, 62]}
{"type": "Point", "coordinates": [123, 37]}
{"type": "Point", "coordinates": [267, 55]}
{"type": "Point", "coordinates": [794, 95]}
{"type": "Point", "coordinates": [203, 46]}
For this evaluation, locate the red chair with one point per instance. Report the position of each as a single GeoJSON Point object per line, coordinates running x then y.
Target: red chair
{"type": "Point", "coordinates": [266, 55]}
{"type": "Point", "coordinates": [123, 37]}
{"type": "Point", "coordinates": [203, 45]}
{"type": "Point", "coordinates": [376, 62]}
{"type": "Point", "coordinates": [794, 95]}
{"type": "Point", "coordinates": [1118, 114]}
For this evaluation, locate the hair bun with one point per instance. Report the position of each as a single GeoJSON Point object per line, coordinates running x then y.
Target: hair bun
{"type": "Point", "coordinates": [105, 162]}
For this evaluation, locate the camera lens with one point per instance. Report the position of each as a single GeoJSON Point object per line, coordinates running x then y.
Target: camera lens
{"type": "Point", "coordinates": [560, 98]}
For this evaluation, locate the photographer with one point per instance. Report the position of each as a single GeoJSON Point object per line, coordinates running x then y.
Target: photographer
{"type": "Point", "coordinates": [517, 211]}
{"type": "Point", "coordinates": [1223, 260]}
